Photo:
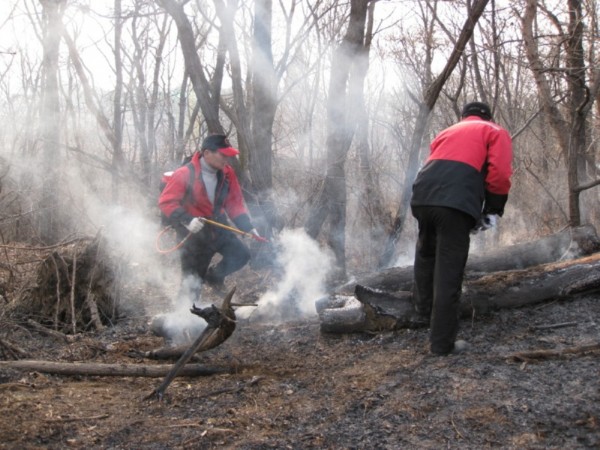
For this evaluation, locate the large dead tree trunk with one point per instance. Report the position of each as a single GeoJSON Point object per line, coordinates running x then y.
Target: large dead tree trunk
{"type": "Point", "coordinates": [568, 243]}
{"type": "Point", "coordinates": [384, 301]}
{"type": "Point", "coordinates": [376, 310]}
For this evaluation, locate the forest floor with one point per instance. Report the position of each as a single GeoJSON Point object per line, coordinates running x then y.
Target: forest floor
{"type": "Point", "coordinates": [295, 387]}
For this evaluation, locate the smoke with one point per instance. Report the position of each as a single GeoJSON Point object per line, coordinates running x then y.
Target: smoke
{"type": "Point", "coordinates": [179, 326]}
{"type": "Point", "coordinates": [304, 267]}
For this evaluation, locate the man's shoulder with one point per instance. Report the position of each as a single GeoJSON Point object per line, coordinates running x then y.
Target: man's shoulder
{"type": "Point", "coordinates": [474, 123]}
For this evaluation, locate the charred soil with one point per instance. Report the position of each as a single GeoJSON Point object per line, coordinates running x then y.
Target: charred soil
{"type": "Point", "coordinates": [294, 387]}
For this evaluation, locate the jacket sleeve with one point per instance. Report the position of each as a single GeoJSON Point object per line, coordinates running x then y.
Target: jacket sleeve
{"type": "Point", "coordinates": [499, 172]}
{"type": "Point", "coordinates": [235, 206]}
{"type": "Point", "coordinates": [172, 197]}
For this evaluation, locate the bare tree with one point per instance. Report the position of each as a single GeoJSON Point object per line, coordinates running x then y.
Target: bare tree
{"type": "Point", "coordinates": [203, 89]}
{"type": "Point", "coordinates": [117, 156]}
{"type": "Point", "coordinates": [570, 127]}
{"type": "Point", "coordinates": [50, 117]}
{"type": "Point", "coordinates": [331, 202]}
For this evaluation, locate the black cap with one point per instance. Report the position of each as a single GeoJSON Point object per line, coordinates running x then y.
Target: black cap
{"type": "Point", "coordinates": [479, 109]}
{"type": "Point", "coordinates": [219, 142]}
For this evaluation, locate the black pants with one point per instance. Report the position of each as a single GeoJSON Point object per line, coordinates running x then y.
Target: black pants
{"type": "Point", "coordinates": [440, 259]}
{"type": "Point", "coordinates": [199, 249]}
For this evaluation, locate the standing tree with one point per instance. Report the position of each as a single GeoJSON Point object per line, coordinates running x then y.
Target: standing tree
{"type": "Point", "coordinates": [50, 120]}
{"type": "Point", "coordinates": [347, 63]}
{"type": "Point", "coordinates": [117, 151]}
{"type": "Point", "coordinates": [205, 91]}
{"type": "Point", "coordinates": [571, 126]}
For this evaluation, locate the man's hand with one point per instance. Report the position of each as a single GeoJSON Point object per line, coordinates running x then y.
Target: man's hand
{"type": "Point", "coordinates": [257, 236]}
{"type": "Point", "coordinates": [486, 222]}
{"type": "Point", "coordinates": [195, 225]}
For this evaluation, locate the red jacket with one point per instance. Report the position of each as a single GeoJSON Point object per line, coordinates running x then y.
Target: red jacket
{"type": "Point", "coordinates": [469, 167]}
{"type": "Point", "coordinates": [180, 203]}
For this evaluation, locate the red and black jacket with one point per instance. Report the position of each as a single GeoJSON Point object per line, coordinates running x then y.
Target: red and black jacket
{"type": "Point", "coordinates": [469, 169]}
{"type": "Point", "coordinates": [180, 202]}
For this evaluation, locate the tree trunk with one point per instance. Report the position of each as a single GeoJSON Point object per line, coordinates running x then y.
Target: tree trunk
{"type": "Point", "coordinates": [376, 217]}
{"type": "Point", "coordinates": [117, 155]}
{"type": "Point", "coordinates": [570, 129]}
{"type": "Point", "coordinates": [331, 202]}
{"type": "Point", "coordinates": [50, 225]}
{"type": "Point", "coordinates": [193, 65]}
{"type": "Point", "coordinates": [262, 112]}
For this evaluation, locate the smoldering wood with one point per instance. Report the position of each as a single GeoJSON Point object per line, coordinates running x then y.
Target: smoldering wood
{"type": "Point", "coordinates": [567, 244]}
{"type": "Point", "coordinates": [382, 310]}
{"type": "Point", "coordinates": [111, 370]}
{"type": "Point", "coordinates": [220, 325]}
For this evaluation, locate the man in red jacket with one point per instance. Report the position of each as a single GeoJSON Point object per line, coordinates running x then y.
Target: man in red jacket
{"type": "Point", "coordinates": [207, 187]}
{"type": "Point", "coordinates": [462, 187]}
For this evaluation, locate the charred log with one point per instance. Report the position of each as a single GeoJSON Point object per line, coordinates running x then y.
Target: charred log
{"type": "Point", "coordinates": [221, 322]}
{"type": "Point", "coordinates": [375, 310]}
{"type": "Point", "coordinates": [567, 244]}
{"type": "Point", "coordinates": [220, 325]}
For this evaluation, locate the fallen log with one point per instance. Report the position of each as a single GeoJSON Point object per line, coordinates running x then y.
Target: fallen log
{"type": "Point", "coordinates": [537, 355]}
{"type": "Point", "coordinates": [111, 370]}
{"type": "Point", "coordinates": [565, 245]}
{"type": "Point", "coordinates": [516, 288]}
{"type": "Point", "coordinates": [376, 310]}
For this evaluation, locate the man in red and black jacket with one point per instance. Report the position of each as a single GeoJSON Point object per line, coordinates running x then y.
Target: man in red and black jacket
{"type": "Point", "coordinates": [462, 187]}
{"type": "Point", "coordinates": [207, 187]}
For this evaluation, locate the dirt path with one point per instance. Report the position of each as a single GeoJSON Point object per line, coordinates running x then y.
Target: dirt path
{"type": "Point", "coordinates": [296, 388]}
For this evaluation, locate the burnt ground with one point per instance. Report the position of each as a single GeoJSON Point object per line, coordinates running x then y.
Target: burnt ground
{"type": "Point", "coordinates": [294, 387]}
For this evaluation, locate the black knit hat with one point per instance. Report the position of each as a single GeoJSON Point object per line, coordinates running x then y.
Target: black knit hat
{"type": "Point", "coordinates": [221, 143]}
{"type": "Point", "coordinates": [479, 109]}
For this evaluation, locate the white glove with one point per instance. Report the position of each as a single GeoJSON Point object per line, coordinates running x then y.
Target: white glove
{"type": "Point", "coordinates": [488, 221]}
{"type": "Point", "coordinates": [195, 225]}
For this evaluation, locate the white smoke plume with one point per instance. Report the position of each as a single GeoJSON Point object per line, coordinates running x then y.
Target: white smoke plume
{"type": "Point", "coordinates": [304, 268]}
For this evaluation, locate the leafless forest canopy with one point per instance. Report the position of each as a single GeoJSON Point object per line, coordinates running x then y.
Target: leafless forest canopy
{"type": "Point", "coordinates": [332, 104]}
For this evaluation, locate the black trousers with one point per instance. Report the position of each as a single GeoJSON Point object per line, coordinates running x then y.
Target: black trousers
{"type": "Point", "coordinates": [440, 259]}
{"type": "Point", "coordinates": [198, 251]}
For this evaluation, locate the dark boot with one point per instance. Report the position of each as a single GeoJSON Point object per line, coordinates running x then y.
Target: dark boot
{"type": "Point", "coordinates": [216, 282]}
